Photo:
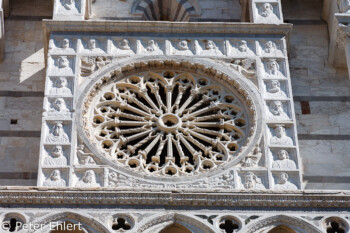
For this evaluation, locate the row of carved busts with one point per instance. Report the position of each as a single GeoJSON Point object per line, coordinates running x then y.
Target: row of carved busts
{"type": "Point", "coordinates": [92, 178]}
{"type": "Point", "coordinates": [185, 47]}
{"type": "Point", "coordinates": [65, 66]}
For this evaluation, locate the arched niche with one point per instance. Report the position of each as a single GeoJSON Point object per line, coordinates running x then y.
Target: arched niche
{"type": "Point", "coordinates": [175, 228]}
{"type": "Point", "coordinates": [281, 229]}
{"type": "Point", "coordinates": [281, 223]}
{"type": "Point", "coordinates": [87, 223]}
{"type": "Point", "coordinates": [174, 223]}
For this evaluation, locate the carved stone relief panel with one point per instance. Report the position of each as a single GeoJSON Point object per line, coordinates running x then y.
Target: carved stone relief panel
{"type": "Point", "coordinates": [53, 177]}
{"type": "Point", "coordinates": [266, 11]}
{"type": "Point", "coordinates": [278, 111]}
{"type": "Point", "coordinates": [241, 48]}
{"type": "Point", "coordinates": [92, 45]}
{"type": "Point", "coordinates": [123, 46]}
{"type": "Point", "coordinates": [60, 86]}
{"type": "Point", "coordinates": [69, 9]}
{"type": "Point", "coordinates": [275, 89]}
{"type": "Point", "coordinates": [63, 45]}
{"type": "Point", "coordinates": [56, 155]}
{"type": "Point", "coordinates": [273, 69]}
{"type": "Point", "coordinates": [151, 47]}
{"type": "Point", "coordinates": [271, 48]}
{"type": "Point", "coordinates": [253, 180]}
{"type": "Point", "coordinates": [61, 65]}
{"type": "Point", "coordinates": [182, 47]}
{"type": "Point", "coordinates": [90, 64]}
{"type": "Point", "coordinates": [57, 132]}
{"type": "Point", "coordinates": [283, 158]}
{"type": "Point", "coordinates": [60, 106]}
{"type": "Point", "coordinates": [88, 178]}
{"type": "Point", "coordinates": [281, 135]}
{"type": "Point", "coordinates": [285, 181]}
{"type": "Point", "coordinates": [209, 48]}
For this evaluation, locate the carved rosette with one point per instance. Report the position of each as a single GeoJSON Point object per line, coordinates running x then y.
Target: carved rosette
{"type": "Point", "coordinates": [160, 119]}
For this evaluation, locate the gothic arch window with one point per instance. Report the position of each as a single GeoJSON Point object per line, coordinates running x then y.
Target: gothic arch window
{"type": "Point", "coordinates": [174, 223]}
{"type": "Point", "coordinates": [60, 222]}
{"type": "Point", "coordinates": [281, 229]}
{"type": "Point", "coordinates": [175, 228]}
{"type": "Point", "coordinates": [282, 223]}
{"type": "Point", "coordinates": [166, 10]}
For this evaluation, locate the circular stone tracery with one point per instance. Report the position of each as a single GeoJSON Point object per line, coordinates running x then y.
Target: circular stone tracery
{"type": "Point", "coordinates": [169, 123]}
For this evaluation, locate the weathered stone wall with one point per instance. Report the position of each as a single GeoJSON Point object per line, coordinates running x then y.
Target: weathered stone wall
{"type": "Point", "coordinates": [322, 93]}
{"type": "Point", "coordinates": [21, 92]}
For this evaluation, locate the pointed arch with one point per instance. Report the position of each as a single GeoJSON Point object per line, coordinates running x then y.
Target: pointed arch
{"type": "Point", "coordinates": [161, 222]}
{"type": "Point", "coordinates": [166, 10]}
{"type": "Point", "coordinates": [282, 229]}
{"type": "Point", "coordinates": [87, 222]}
{"type": "Point", "coordinates": [293, 224]}
{"type": "Point", "coordinates": [175, 228]}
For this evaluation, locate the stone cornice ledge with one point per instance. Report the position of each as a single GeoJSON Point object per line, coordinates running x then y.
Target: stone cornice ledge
{"type": "Point", "coordinates": [297, 199]}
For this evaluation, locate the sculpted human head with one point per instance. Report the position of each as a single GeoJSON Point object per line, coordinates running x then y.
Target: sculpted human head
{"type": "Point", "coordinates": [274, 86]}
{"type": "Point", "coordinates": [183, 45]}
{"type": "Point", "coordinates": [58, 129]}
{"type": "Point", "coordinates": [65, 43]}
{"type": "Point", "coordinates": [57, 151]}
{"type": "Point", "coordinates": [89, 177]}
{"type": "Point", "coordinates": [280, 131]}
{"type": "Point", "coordinates": [63, 62]}
{"type": "Point", "coordinates": [92, 44]}
{"type": "Point", "coordinates": [209, 45]}
{"type": "Point", "coordinates": [276, 108]}
{"type": "Point", "coordinates": [62, 82]}
{"type": "Point", "coordinates": [124, 44]}
{"type": "Point", "coordinates": [243, 46]}
{"type": "Point", "coordinates": [283, 178]}
{"type": "Point", "coordinates": [55, 175]}
{"type": "Point", "coordinates": [249, 180]}
{"type": "Point", "coordinates": [272, 66]}
{"type": "Point", "coordinates": [266, 9]}
{"type": "Point", "coordinates": [282, 155]}
{"type": "Point", "coordinates": [60, 104]}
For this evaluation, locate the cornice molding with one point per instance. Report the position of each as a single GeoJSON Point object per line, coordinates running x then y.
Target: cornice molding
{"type": "Point", "coordinates": [297, 199]}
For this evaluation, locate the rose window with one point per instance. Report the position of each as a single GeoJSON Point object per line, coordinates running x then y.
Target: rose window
{"type": "Point", "coordinates": [168, 123]}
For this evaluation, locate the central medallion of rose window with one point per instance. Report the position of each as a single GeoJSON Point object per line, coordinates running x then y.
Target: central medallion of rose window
{"type": "Point", "coordinates": [169, 123]}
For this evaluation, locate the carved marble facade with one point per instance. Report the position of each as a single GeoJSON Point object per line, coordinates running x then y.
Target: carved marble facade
{"type": "Point", "coordinates": [181, 117]}
{"type": "Point", "coordinates": [151, 126]}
